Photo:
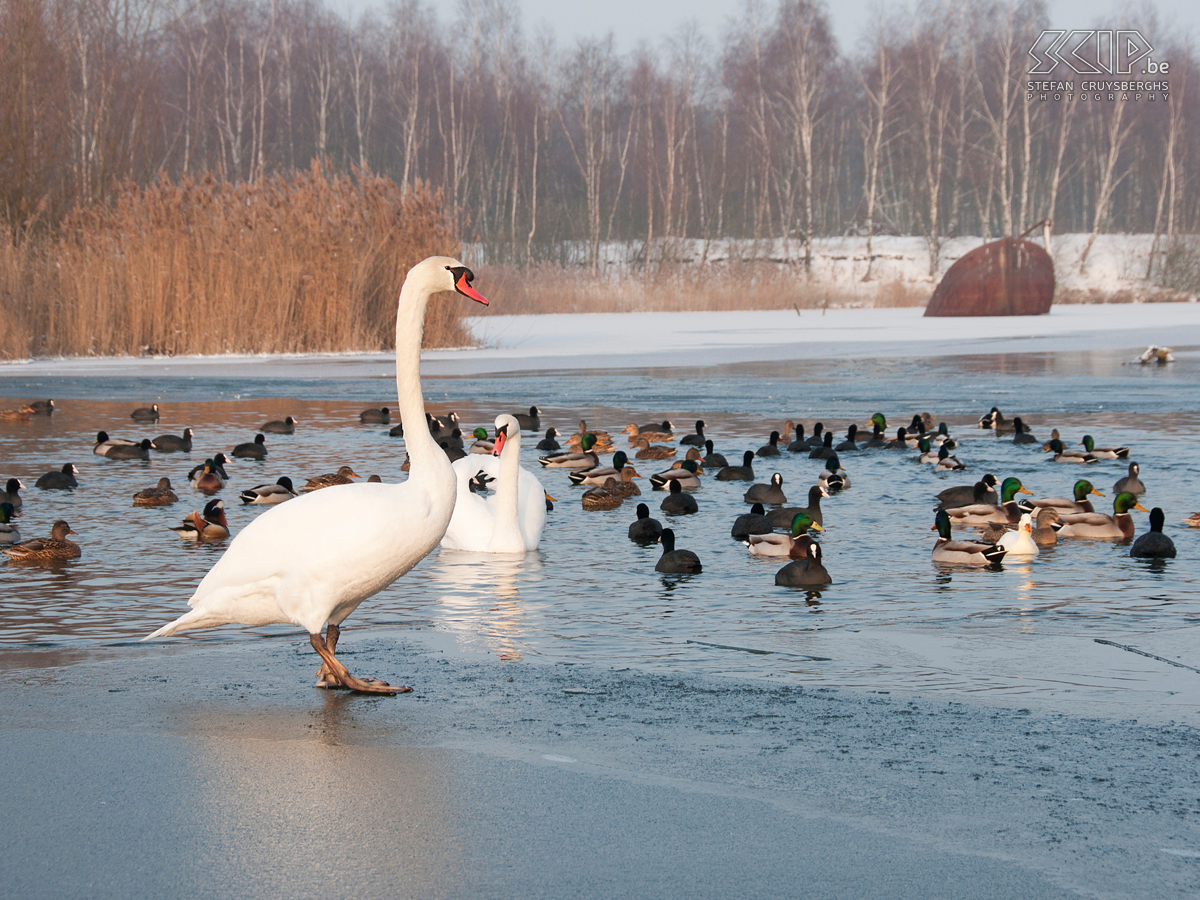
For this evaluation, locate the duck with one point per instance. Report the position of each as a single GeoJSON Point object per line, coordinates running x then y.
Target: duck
{"type": "Point", "coordinates": [792, 544]}
{"type": "Point", "coordinates": [799, 444]}
{"type": "Point", "coordinates": [850, 443]}
{"type": "Point", "coordinates": [600, 474]}
{"type": "Point", "coordinates": [1154, 544]}
{"type": "Point", "coordinates": [62, 480]}
{"type": "Point", "coordinates": [644, 530]}
{"type": "Point", "coordinates": [1054, 436]}
{"type": "Point", "coordinates": [281, 426]}
{"type": "Point", "coordinates": [1131, 483]}
{"type": "Point", "coordinates": [942, 436]}
{"type": "Point", "coordinates": [512, 518]}
{"type": "Point", "coordinates": [375, 416]}
{"type": "Point", "coordinates": [171, 443]}
{"type": "Point", "coordinates": [549, 443]}
{"type": "Point", "coordinates": [833, 477]}
{"type": "Point", "coordinates": [218, 462]}
{"type": "Point", "coordinates": [584, 459]}
{"type": "Point", "coordinates": [712, 459]}
{"type": "Point", "coordinates": [744, 472]}
{"type": "Point", "coordinates": [12, 493]}
{"type": "Point", "coordinates": [825, 450]}
{"type": "Point", "coordinates": [482, 445]}
{"type": "Point", "coordinates": [807, 572]}
{"type": "Point", "coordinates": [9, 533]}
{"type": "Point", "coordinates": [1118, 526]}
{"type": "Point", "coordinates": [646, 450]}
{"type": "Point", "coordinates": [104, 443]}
{"type": "Point", "coordinates": [270, 494]}
{"type": "Point", "coordinates": [771, 494]}
{"type": "Point", "coordinates": [131, 451]}
{"type": "Point", "coordinates": [1062, 454]}
{"type": "Point", "coordinates": [961, 553]}
{"type": "Point", "coordinates": [280, 569]}
{"type": "Point", "coordinates": [648, 433]}
{"type": "Point", "coordinates": [677, 502]}
{"type": "Point", "coordinates": [606, 496]}
{"type": "Point", "coordinates": [145, 413]}
{"type": "Point", "coordinates": [782, 517]}
{"type": "Point", "coordinates": [530, 421]}
{"type": "Point", "coordinates": [676, 562]}
{"type": "Point", "coordinates": [948, 463]}
{"type": "Point", "coordinates": [753, 522]}
{"type": "Point", "coordinates": [686, 476]}
{"type": "Point", "coordinates": [343, 475]}
{"type": "Point", "coordinates": [49, 549]}
{"type": "Point", "coordinates": [1081, 504]}
{"type": "Point", "coordinates": [966, 494]}
{"type": "Point", "coordinates": [1021, 434]}
{"type": "Point", "coordinates": [209, 526]}
{"type": "Point", "coordinates": [1020, 542]}
{"type": "Point", "coordinates": [1046, 525]}
{"type": "Point", "coordinates": [625, 487]}
{"type": "Point", "coordinates": [256, 449]}
{"type": "Point", "coordinates": [161, 495]}
{"type": "Point", "coordinates": [602, 438]}
{"type": "Point", "coordinates": [1007, 511]}
{"type": "Point", "coordinates": [207, 479]}
{"type": "Point", "coordinates": [1192, 521]}
{"type": "Point", "coordinates": [696, 439]}
{"type": "Point", "coordinates": [1089, 444]}
{"type": "Point", "coordinates": [928, 454]}
{"type": "Point", "coordinates": [771, 447]}
{"type": "Point", "coordinates": [20, 414]}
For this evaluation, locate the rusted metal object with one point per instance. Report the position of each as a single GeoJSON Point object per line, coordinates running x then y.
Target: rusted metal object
{"type": "Point", "coordinates": [1009, 277]}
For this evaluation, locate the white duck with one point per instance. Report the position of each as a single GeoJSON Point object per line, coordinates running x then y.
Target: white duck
{"type": "Point", "coordinates": [1020, 542]}
{"type": "Point", "coordinates": [511, 519]}
{"type": "Point", "coordinates": [280, 569]}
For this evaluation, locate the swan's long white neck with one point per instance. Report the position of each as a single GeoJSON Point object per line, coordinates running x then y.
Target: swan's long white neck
{"type": "Point", "coordinates": [425, 455]}
{"type": "Point", "coordinates": [506, 533]}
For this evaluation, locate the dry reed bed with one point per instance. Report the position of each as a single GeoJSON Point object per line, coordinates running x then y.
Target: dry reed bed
{"type": "Point", "coordinates": [307, 263]}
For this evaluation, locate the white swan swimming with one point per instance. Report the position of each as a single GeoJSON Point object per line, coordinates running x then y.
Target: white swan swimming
{"type": "Point", "coordinates": [510, 520]}
{"type": "Point", "coordinates": [280, 569]}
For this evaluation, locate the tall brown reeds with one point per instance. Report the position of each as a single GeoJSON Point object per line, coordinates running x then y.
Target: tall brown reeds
{"type": "Point", "coordinates": [308, 263]}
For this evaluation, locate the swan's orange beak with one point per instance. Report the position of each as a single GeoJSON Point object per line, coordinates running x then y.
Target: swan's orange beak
{"type": "Point", "coordinates": [463, 286]}
{"type": "Point", "coordinates": [498, 445]}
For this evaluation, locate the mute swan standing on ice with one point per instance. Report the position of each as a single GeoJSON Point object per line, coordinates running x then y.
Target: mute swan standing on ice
{"type": "Point", "coordinates": [280, 569]}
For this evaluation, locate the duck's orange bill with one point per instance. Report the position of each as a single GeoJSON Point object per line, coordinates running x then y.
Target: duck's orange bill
{"type": "Point", "coordinates": [464, 287]}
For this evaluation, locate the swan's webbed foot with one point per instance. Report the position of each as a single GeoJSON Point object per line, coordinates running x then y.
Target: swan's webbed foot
{"type": "Point", "coordinates": [333, 675]}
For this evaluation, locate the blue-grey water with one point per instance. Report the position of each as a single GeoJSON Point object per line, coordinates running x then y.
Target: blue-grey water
{"type": "Point", "coordinates": [590, 595]}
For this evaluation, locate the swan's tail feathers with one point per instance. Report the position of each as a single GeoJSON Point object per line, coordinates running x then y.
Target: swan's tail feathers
{"type": "Point", "coordinates": [190, 620]}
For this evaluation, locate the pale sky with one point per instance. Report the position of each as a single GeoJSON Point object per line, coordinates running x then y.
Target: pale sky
{"type": "Point", "coordinates": [635, 21]}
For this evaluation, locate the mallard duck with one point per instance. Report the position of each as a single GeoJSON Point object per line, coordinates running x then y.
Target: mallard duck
{"type": "Point", "coordinates": [825, 450]}
{"type": "Point", "coordinates": [20, 414]}
{"type": "Point", "coordinates": [281, 426]}
{"type": "Point", "coordinates": [693, 453]}
{"type": "Point", "coordinates": [649, 433]}
{"type": "Point", "coordinates": [744, 472]}
{"type": "Point", "coordinates": [1089, 444]}
{"type": "Point", "coordinates": [1062, 454]}
{"type": "Point", "coordinates": [799, 443]}
{"type": "Point", "coordinates": [833, 477]}
{"type": "Point", "coordinates": [983, 513]}
{"type": "Point", "coordinates": [1193, 521]}
{"type": "Point", "coordinates": [928, 454]}
{"type": "Point", "coordinates": [697, 439]}
{"type": "Point", "coordinates": [981, 491]}
{"type": "Point", "coordinates": [549, 443]}
{"type": "Point", "coordinates": [218, 461]}
{"type": "Point", "coordinates": [877, 422]}
{"type": "Point", "coordinates": [606, 496]}
{"type": "Point", "coordinates": [271, 494]}
{"type": "Point", "coordinates": [531, 421]}
{"type": "Point", "coordinates": [712, 459]}
{"type": "Point", "coordinates": [771, 494]}
{"type": "Point", "coordinates": [600, 474]}
{"type": "Point", "coordinates": [1046, 526]}
{"type": "Point", "coordinates": [373, 416]}
{"type": "Point", "coordinates": [686, 476]}
{"type": "Point", "coordinates": [850, 443]}
{"type": "Point", "coordinates": [585, 459]}
{"type": "Point", "coordinates": [1118, 526]}
{"type": "Point", "coordinates": [1154, 544]}
{"type": "Point", "coordinates": [171, 443]}
{"type": "Point", "coordinates": [602, 438]}
{"type": "Point", "coordinates": [62, 480]}
{"type": "Point", "coordinates": [162, 495]}
{"type": "Point", "coordinates": [948, 463]}
{"type": "Point", "coordinates": [677, 502]}
{"type": "Point", "coordinates": [145, 413]}
{"type": "Point", "coordinates": [782, 517]}
{"type": "Point", "coordinates": [46, 549]}
{"type": "Point", "coordinates": [961, 553]}
{"type": "Point", "coordinates": [676, 562]}
{"type": "Point", "coordinates": [207, 479]}
{"type": "Point", "coordinates": [771, 447]}
{"type": "Point", "coordinates": [41, 407]}
{"type": "Point", "coordinates": [8, 532]}
{"type": "Point", "coordinates": [1131, 483]}
{"type": "Point", "coordinates": [256, 449]}
{"type": "Point", "coordinates": [942, 436]}
{"type": "Point", "coordinates": [1081, 504]}
{"type": "Point", "coordinates": [12, 493]}
{"type": "Point", "coordinates": [104, 443]}
{"type": "Point", "coordinates": [644, 529]}
{"type": "Point", "coordinates": [1021, 434]}
{"type": "Point", "coordinates": [646, 450]}
{"type": "Point", "coordinates": [343, 475]}
{"type": "Point", "coordinates": [625, 487]}
{"type": "Point", "coordinates": [482, 445]}
{"type": "Point", "coordinates": [807, 572]}
{"type": "Point", "coordinates": [1054, 436]}
{"type": "Point", "coordinates": [134, 451]}
{"type": "Point", "coordinates": [791, 544]}
{"type": "Point", "coordinates": [753, 522]}
{"type": "Point", "coordinates": [1020, 542]}
{"type": "Point", "coordinates": [211, 526]}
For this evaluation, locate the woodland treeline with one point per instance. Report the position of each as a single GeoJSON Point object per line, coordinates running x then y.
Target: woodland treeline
{"type": "Point", "coordinates": [545, 153]}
